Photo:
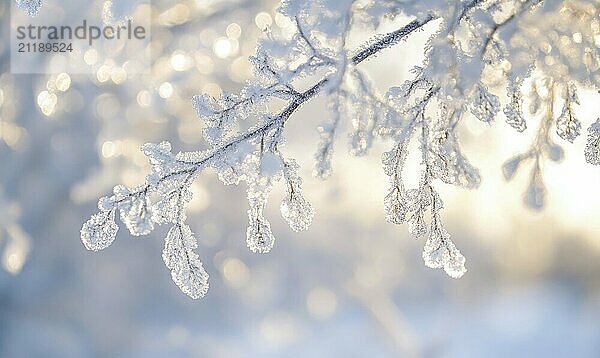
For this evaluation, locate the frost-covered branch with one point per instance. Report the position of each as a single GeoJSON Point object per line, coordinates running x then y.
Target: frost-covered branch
{"type": "Point", "coordinates": [172, 174]}
{"type": "Point", "coordinates": [247, 136]}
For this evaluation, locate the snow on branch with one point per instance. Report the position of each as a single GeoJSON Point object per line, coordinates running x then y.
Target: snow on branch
{"type": "Point", "coordinates": [247, 139]}
{"type": "Point", "coordinates": [32, 7]}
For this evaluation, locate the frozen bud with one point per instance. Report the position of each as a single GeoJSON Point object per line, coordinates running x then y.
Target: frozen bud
{"type": "Point", "coordinates": [416, 226]}
{"type": "Point", "coordinates": [204, 105]}
{"type": "Point", "coordinates": [484, 105]}
{"type": "Point", "coordinates": [297, 212]}
{"type": "Point", "coordinates": [159, 154]}
{"type": "Point", "coordinates": [555, 152]}
{"type": "Point", "coordinates": [259, 237]}
{"type": "Point", "coordinates": [186, 269]}
{"type": "Point", "coordinates": [536, 192]}
{"type": "Point", "coordinates": [359, 143]}
{"type": "Point", "coordinates": [440, 252]}
{"type": "Point", "coordinates": [514, 111]}
{"type": "Point", "coordinates": [105, 204]}
{"type": "Point", "coordinates": [99, 231]}
{"type": "Point", "coordinates": [136, 215]}
{"type": "Point", "coordinates": [567, 126]}
{"type": "Point", "coordinates": [592, 148]}
{"type": "Point", "coordinates": [509, 168]}
{"type": "Point", "coordinates": [395, 209]}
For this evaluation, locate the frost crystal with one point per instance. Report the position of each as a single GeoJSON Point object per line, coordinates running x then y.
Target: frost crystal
{"type": "Point", "coordinates": [179, 257]}
{"type": "Point", "coordinates": [31, 6]}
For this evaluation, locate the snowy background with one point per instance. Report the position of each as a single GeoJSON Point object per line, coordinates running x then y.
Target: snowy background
{"type": "Point", "coordinates": [352, 286]}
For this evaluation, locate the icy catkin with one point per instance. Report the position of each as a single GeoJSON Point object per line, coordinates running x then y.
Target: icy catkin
{"type": "Point", "coordinates": [448, 162]}
{"type": "Point", "coordinates": [179, 257]}
{"type": "Point", "coordinates": [295, 209]}
{"type": "Point", "coordinates": [514, 109]}
{"type": "Point", "coordinates": [567, 126]}
{"type": "Point", "coordinates": [297, 212]}
{"type": "Point", "coordinates": [592, 148]}
{"type": "Point", "coordinates": [485, 105]}
{"type": "Point", "coordinates": [327, 133]}
{"type": "Point", "coordinates": [259, 237]}
{"type": "Point", "coordinates": [536, 192]}
{"type": "Point", "coordinates": [509, 168]}
{"type": "Point", "coordinates": [440, 252]}
{"type": "Point", "coordinates": [396, 206]}
{"type": "Point", "coordinates": [99, 231]}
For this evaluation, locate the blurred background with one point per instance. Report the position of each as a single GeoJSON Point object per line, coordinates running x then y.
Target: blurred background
{"type": "Point", "coordinates": [352, 286]}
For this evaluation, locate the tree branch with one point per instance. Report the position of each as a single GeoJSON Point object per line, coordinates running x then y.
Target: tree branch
{"type": "Point", "coordinates": [368, 51]}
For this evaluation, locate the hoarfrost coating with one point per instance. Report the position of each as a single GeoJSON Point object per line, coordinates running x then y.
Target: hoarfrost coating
{"type": "Point", "coordinates": [533, 48]}
{"type": "Point", "coordinates": [32, 7]}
